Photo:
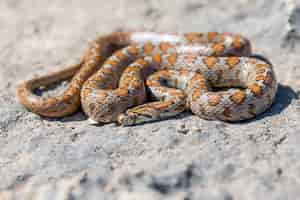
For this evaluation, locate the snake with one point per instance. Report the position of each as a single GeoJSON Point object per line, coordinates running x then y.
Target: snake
{"type": "Point", "coordinates": [140, 76]}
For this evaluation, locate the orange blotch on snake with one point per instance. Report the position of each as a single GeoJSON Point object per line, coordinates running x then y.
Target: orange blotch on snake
{"type": "Point", "coordinates": [132, 68]}
{"type": "Point", "coordinates": [164, 73]}
{"type": "Point", "coordinates": [214, 99]}
{"type": "Point", "coordinates": [52, 100]}
{"type": "Point", "coordinates": [126, 80]}
{"type": "Point", "coordinates": [67, 99]}
{"type": "Point", "coordinates": [164, 46]}
{"type": "Point", "coordinates": [142, 62]}
{"type": "Point", "coordinates": [195, 79]}
{"type": "Point", "coordinates": [260, 65]}
{"type": "Point", "coordinates": [200, 81]}
{"type": "Point", "coordinates": [86, 91]}
{"type": "Point", "coordinates": [152, 83]}
{"type": "Point", "coordinates": [113, 63]}
{"type": "Point", "coordinates": [193, 37]}
{"type": "Point", "coordinates": [72, 90]}
{"type": "Point", "coordinates": [255, 89]}
{"type": "Point", "coordinates": [163, 105]}
{"type": "Point", "coordinates": [232, 61]}
{"type": "Point", "coordinates": [210, 61]}
{"type": "Point", "coordinates": [156, 58]}
{"type": "Point", "coordinates": [218, 48]}
{"type": "Point", "coordinates": [211, 36]}
{"type": "Point", "coordinates": [238, 97]}
{"type": "Point", "coordinates": [260, 70]}
{"type": "Point", "coordinates": [260, 77]}
{"type": "Point", "coordinates": [133, 50]}
{"type": "Point", "coordinates": [267, 79]}
{"type": "Point", "coordinates": [107, 70]}
{"type": "Point", "coordinates": [148, 48]}
{"type": "Point", "coordinates": [172, 59]}
{"type": "Point", "coordinates": [122, 92]}
{"type": "Point", "coordinates": [97, 58]}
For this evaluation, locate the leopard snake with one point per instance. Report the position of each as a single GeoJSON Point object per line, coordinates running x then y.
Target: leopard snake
{"type": "Point", "coordinates": [212, 74]}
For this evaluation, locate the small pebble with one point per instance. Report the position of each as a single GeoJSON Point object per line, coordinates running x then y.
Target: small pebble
{"type": "Point", "coordinates": [181, 128]}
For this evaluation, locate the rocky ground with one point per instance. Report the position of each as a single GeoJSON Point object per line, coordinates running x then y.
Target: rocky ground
{"type": "Point", "coordinates": [182, 158]}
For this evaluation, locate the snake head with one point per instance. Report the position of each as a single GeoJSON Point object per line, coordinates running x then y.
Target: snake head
{"type": "Point", "coordinates": [102, 107]}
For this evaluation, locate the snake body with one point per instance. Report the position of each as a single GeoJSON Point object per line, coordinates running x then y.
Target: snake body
{"type": "Point", "coordinates": [179, 71]}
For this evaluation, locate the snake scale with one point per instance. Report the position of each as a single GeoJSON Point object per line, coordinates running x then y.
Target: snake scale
{"type": "Point", "coordinates": [212, 74]}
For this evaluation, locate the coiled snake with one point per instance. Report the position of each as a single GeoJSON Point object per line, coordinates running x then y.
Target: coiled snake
{"type": "Point", "coordinates": [212, 74]}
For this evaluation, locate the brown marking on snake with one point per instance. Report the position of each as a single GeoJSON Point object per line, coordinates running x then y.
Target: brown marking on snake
{"type": "Point", "coordinates": [210, 61]}
{"type": "Point", "coordinates": [107, 70]}
{"type": "Point", "coordinates": [172, 59]}
{"type": "Point", "coordinates": [164, 46]}
{"type": "Point", "coordinates": [255, 89]}
{"type": "Point", "coordinates": [148, 48]}
{"type": "Point", "coordinates": [193, 37]}
{"type": "Point", "coordinates": [262, 65]}
{"type": "Point", "coordinates": [136, 84]}
{"type": "Point", "coordinates": [156, 58]}
{"type": "Point", "coordinates": [113, 63]}
{"type": "Point", "coordinates": [218, 48]}
{"type": "Point", "coordinates": [163, 105]}
{"type": "Point", "coordinates": [227, 112]}
{"type": "Point", "coordinates": [260, 77]}
{"type": "Point", "coordinates": [238, 97]}
{"type": "Point", "coordinates": [232, 61]}
{"type": "Point", "coordinates": [123, 92]}
{"type": "Point", "coordinates": [211, 36]}
{"type": "Point", "coordinates": [196, 94]}
{"type": "Point", "coordinates": [214, 99]}
{"type": "Point", "coordinates": [260, 70]}
{"type": "Point", "coordinates": [133, 50]}
{"type": "Point", "coordinates": [142, 62]}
